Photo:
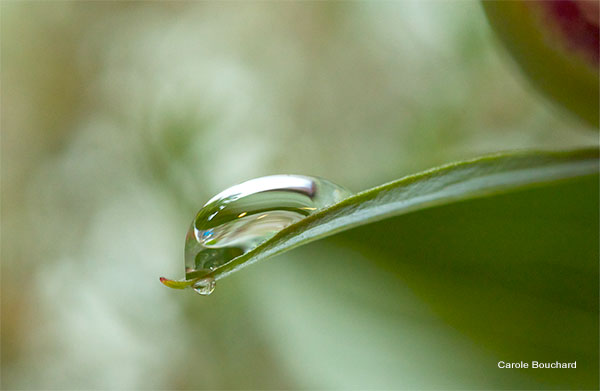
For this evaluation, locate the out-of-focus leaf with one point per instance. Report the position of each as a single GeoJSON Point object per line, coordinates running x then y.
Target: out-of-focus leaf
{"type": "Point", "coordinates": [556, 46]}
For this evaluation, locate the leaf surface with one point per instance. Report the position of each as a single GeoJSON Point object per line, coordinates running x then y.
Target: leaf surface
{"type": "Point", "coordinates": [432, 280]}
{"type": "Point", "coordinates": [486, 176]}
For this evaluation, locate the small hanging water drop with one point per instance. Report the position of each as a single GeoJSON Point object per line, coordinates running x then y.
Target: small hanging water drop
{"type": "Point", "coordinates": [243, 216]}
{"type": "Point", "coordinates": [205, 286]}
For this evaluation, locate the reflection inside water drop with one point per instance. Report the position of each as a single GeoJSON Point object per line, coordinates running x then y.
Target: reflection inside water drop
{"type": "Point", "coordinates": [243, 216]}
{"type": "Point", "coordinates": [205, 286]}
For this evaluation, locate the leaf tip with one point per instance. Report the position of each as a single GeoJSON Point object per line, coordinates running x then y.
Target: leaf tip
{"type": "Point", "coordinates": [169, 283]}
{"type": "Point", "coordinates": [181, 284]}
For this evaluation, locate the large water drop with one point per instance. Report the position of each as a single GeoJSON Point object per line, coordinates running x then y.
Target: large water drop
{"type": "Point", "coordinates": [243, 216]}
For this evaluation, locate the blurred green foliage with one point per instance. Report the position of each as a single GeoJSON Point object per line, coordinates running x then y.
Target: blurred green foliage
{"type": "Point", "coordinates": [120, 119]}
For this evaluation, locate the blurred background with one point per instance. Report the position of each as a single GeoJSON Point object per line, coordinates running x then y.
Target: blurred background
{"type": "Point", "coordinates": [121, 119]}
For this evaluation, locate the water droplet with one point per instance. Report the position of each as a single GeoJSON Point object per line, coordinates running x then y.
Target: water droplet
{"type": "Point", "coordinates": [243, 216]}
{"type": "Point", "coordinates": [205, 286]}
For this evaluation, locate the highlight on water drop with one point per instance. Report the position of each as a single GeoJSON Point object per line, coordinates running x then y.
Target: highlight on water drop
{"type": "Point", "coordinates": [243, 216]}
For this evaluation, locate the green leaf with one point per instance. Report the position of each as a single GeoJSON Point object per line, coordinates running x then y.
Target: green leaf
{"type": "Point", "coordinates": [496, 174]}
{"type": "Point", "coordinates": [434, 299]}
{"type": "Point", "coordinates": [496, 261]}
{"type": "Point", "coordinates": [516, 273]}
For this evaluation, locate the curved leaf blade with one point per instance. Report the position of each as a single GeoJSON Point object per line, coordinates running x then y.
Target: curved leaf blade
{"type": "Point", "coordinates": [476, 178]}
{"type": "Point", "coordinates": [510, 277]}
